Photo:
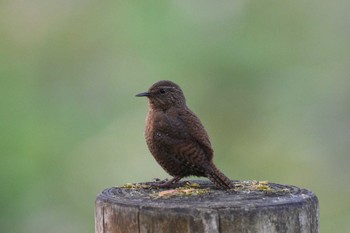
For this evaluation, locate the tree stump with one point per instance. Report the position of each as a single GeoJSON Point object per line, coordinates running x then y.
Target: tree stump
{"type": "Point", "coordinates": [198, 207]}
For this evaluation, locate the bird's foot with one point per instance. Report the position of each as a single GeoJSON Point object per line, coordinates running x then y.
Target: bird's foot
{"type": "Point", "coordinates": [173, 183]}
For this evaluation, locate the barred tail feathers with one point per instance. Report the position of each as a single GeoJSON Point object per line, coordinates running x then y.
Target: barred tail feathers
{"type": "Point", "coordinates": [218, 178]}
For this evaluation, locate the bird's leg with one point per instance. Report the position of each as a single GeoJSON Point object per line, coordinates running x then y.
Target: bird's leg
{"type": "Point", "coordinates": [173, 183]}
{"type": "Point", "coordinates": [173, 180]}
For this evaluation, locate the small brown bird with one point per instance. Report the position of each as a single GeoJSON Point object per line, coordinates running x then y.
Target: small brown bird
{"type": "Point", "coordinates": [176, 137]}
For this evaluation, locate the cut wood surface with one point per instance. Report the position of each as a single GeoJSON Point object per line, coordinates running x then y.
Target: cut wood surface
{"type": "Point", "coordinates": [198, 207]}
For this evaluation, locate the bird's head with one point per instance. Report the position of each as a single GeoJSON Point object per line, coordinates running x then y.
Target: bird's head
{"type": "Point", "coordinates": [164, 95]}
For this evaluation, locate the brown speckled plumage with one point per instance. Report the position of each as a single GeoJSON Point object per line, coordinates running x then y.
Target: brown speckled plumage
{"type": "Point", "coordinates": [176, 137]}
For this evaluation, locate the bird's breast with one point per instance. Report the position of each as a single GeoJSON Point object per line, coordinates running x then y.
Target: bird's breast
{"type": "Point", "coordinates": [161, 128]}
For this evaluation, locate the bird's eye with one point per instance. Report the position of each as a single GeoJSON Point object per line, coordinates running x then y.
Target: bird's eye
{"type": "Point", "coordinates": [162, 91]}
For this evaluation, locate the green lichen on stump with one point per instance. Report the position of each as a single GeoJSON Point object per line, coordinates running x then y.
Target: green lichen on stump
{"type": "Point", "coordinates": [190, 188]}
{"type": "Point", "coordinates": [197, 206]}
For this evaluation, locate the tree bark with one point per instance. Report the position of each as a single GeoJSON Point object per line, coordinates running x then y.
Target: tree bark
{"type": "Point", "coordinates": [250, 207]}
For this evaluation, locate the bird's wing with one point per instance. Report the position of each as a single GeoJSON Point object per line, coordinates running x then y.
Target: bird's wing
{"type": "Point", "coordinates": [193, 139]}
{"type": "Point", "coordinates": [198, 133]}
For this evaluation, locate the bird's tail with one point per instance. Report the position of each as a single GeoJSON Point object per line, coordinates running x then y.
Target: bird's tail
{"type": "Point", "coordinates": [218, 178]}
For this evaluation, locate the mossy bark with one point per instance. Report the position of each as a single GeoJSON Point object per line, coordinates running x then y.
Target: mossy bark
{"type": "Point", "coordinates": [268, 208]}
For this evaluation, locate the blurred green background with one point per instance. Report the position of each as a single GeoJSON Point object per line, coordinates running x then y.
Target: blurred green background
{"type": "Point", "coordinates": [269, 80]}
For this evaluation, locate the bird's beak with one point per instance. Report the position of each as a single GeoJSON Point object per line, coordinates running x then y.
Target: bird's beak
{"type": "Point", "coordinates": [143, 94]}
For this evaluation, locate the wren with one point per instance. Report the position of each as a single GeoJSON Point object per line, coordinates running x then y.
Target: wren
{"type": "Point", "coordinates": [176, 137]}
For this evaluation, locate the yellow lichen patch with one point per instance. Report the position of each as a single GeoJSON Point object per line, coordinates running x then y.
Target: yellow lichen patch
{"type": "Point", "coordinates": [193, 185]}
{"type": "Point", "coordinates": [134, 186]}
{"type": "Point", "coordinates": [183, 191]}
{"type": "Point", "coordinates": [253, 185]}
{"type": "Point", "coordinates": [262, 186]}
{"type": "Point", "coordinates": [263, 182]}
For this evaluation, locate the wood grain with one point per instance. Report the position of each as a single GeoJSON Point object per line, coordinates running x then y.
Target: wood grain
{"type": "Point", "coordinates": [281, 208]}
